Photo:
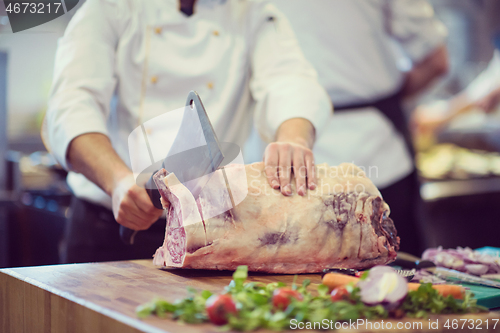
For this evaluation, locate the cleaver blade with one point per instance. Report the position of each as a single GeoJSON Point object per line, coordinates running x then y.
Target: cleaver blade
{"type": "Point", "coordinates": [193, 157]}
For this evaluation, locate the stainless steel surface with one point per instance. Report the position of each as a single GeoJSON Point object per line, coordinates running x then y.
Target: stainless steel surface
{"type": "Point", "coordinates": [193, 157]}
{"type": "Point", "coordinates": [454, 188]}
{"type": "Point", "coordinates": [194, 165]}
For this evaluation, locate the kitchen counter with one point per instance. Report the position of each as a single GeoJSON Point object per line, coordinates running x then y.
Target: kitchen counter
{"type": "Point", "coordinates": [102, 297]}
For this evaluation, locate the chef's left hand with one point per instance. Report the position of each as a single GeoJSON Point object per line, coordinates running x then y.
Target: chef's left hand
{"type": "Point", "coordinates": [291, 152]}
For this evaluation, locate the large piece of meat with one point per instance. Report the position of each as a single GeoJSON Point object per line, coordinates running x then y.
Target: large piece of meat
{"type": "Point", "coordinates": [342, 223]}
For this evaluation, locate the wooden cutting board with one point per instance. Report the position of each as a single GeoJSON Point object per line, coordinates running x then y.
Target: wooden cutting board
{"type": "Point", "coordinates": [101, 297]}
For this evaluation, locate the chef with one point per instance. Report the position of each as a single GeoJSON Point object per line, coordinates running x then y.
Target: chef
{"type": "Point", "coordinates": [149, 55]}
{"type": "Point", "coordinates": [352, 44]}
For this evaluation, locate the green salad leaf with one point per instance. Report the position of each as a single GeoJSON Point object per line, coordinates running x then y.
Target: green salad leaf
{"type": "Point", "coordinates": [419, 303]}
{"type": "Point", "coordinates": [254, 303]}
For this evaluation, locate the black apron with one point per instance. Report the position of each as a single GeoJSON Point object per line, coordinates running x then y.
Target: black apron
{"type": "Point", "coordinates": [92, 234]}
{"type": "Point", "coordinates": [403, 196]}
{"type": "Point", "coordinates": [391, 107]}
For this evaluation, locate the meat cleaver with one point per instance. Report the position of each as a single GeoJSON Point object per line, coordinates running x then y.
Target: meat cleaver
{"type": "Point", "coordinates": [193, 157]}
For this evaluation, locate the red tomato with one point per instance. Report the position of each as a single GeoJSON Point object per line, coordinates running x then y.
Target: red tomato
{"type": "Point", "coordinates": [358, 273]}
{"type": "Point", "coordinates": [282, 296]}
{"type": "Point", "coordinates": [339, 294]}
{"type": "Point", "coordinates": [218, 307]}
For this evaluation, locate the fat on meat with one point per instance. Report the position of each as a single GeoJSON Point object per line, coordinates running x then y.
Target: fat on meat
{"type": "Point", "coordinates": [344, 222]}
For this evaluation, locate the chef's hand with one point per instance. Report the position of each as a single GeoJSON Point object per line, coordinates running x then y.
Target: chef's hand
{"type": "Point", "coordinates": [132, 206]}
{"type": "Point", "coordinates": [292, 152]}
{"type": "Point", "coordinates": [92, 155]}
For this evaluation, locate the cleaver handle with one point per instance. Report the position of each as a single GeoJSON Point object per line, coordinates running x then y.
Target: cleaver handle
{"type": "Point", "coordinates": [127, 235]}
{"type": "Point", "coordinates": [153, 192]}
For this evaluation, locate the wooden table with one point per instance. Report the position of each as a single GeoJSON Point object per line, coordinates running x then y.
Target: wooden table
{"type": "Point", "coordinates": [102, 297]}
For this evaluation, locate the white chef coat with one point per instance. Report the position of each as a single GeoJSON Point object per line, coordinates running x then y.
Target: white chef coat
{"type": "Point", "coordinates": [487, 81]}
{"type": "Point", "coordinates": [235, 54]}
{"type": "Point", "coordinates": [351, 45]}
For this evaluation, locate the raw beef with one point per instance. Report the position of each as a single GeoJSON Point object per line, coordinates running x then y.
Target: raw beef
{"type": "Point", "coordinates": [342, 223]}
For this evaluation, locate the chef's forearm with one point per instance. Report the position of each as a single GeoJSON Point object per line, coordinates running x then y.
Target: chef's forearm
{"type": "Point", "coordinates": [424, 73]}
{"type": "Point", "coordinates": [297, 130]}
{"type": "Point", "coordinates": [93, 156]}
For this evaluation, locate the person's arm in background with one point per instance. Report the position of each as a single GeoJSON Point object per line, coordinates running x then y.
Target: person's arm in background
{"type": "Point", "coordinates": [291, 105]}
{"type": "Point", "coordinates": [421, 35]}
{"type": "Point", "coordinates": [78, 107]}
{"type": "Point", "coordinates": [482, 93]}
{"type": "Point", "coordinates": [425, 72]}
{"type": "Point", "coordinates": [489, 102]}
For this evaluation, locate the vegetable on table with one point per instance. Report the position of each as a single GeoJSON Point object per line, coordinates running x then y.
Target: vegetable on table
{"type": "Point", "coordinates": [282, 297]}
{"type": "Point", "coordinates": [383, 285]}
{"type": "Point", "coordinates": [219, 307]}
{"type": "Point", "coordinates": [247, 306]}
{"type": "Point", "coordinates": [334, 280]}
{"type": "Point", "coordinates": [464, 260]}
{"type": "Point", "coordinates": [455, 291]}
{"type": "Point", "coordinates": [358, 274]}
{"type": "Point", "coordinates": [340, 294]}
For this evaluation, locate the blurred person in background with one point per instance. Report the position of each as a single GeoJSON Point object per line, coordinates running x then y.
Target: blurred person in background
{"type": "Point", "coordinates": [351, 43]}
{"type": "Point", "coordinates": [151, 54]}
{"type": "Point", "coordinates": [482, 94]}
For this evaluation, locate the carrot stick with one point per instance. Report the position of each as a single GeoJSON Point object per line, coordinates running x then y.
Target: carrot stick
{"type": "Point", "coordinates": [334, 280]}
{"type": "Point", "coordinates": [455, 291]}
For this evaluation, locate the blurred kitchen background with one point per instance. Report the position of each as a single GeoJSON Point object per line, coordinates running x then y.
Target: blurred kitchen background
{"type": "Point", "coordinates": [459, 168]}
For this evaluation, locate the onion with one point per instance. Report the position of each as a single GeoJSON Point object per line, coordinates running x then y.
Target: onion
{"type": "Point", "coordinates": [422, 276]}
{"type": "Point", "coordinates": [464, 260]}
{"type": "Point", "coordinates": [383, 286]}
{"type": "Point", "coordinates": [429, 254]}
{"type": "Point", "coordinates": [477, 269]}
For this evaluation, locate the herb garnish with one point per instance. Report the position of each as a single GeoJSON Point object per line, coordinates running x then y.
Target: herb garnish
{"type": "Point", "coordinates": [255, 309]}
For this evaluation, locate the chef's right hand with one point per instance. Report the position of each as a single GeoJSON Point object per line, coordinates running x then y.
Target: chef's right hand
{"type": "Point", "coordinates": [132, 206]}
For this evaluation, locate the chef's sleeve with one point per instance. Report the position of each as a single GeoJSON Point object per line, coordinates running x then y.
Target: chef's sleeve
{"type": "Point", "coordinates": [414, 26]}
{"type": "Point", "coordinates": [283, 83]}
{"type": "Point", "coordinates": [487, 81]}
{"type": "Point", "coordinates": [83, 76]}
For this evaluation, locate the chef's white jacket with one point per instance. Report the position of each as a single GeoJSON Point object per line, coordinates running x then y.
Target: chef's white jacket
{"type": "Point", "coordinates": [351, 43]}
{"type": "Point", "coordinates": [487, 81]}
{"type": "Point", "coordinates": [235, 54]}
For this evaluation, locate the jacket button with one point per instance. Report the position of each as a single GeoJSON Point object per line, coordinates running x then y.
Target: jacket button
{"type": "Point", "coordinates": [154, 79]}
{"type": "Point", "coordinates": [210, 85]}
{"type": "Point", "coordinates": [158, 30]}
{"type": "Point", "coordinates": [216, 33]}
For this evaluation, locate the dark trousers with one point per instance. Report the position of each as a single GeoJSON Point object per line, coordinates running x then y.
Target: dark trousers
{"type": "Point", "coordinates": [92, 234]}
{"type": "Point", "coordinates": [403, 198]}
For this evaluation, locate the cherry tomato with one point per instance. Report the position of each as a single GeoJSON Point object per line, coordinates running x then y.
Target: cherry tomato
{"type": "Point", "coordinates": [358, 273]}
{"type": "Point", "coordinates": [340, 294]}
{"type": "Point", "coordinates": [282, 296]}
{"type": "Point", "coordinates": [218, 307]}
